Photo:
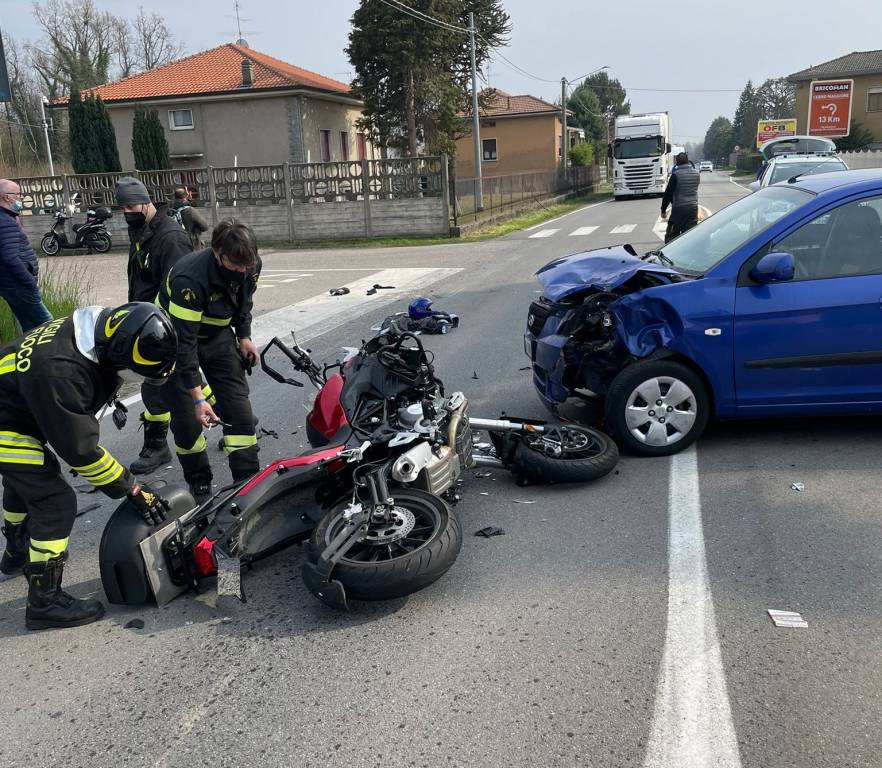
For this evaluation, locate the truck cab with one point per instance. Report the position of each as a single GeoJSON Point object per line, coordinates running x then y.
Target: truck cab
{"type": "Point", "coordinates": [641, 155]}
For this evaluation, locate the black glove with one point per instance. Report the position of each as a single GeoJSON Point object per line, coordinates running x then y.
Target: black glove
{"type": "Point", "coordinates": [153, 508]}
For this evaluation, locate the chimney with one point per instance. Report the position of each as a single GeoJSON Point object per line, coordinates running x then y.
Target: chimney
{"type": "Point", "coordinates": [247, 79]}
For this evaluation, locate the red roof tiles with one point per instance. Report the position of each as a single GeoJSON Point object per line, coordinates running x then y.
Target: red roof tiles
{"type": "Point", "coordinates": [218, 70]}
{"type": "Point", "coordinates": [502, 104]}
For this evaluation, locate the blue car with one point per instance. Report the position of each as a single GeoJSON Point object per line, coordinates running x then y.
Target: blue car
{"type": "Point", "coordinates": [771, 307]}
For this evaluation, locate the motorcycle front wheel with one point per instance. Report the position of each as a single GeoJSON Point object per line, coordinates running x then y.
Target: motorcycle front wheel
{"type": "Point", "coordinates": [49, 245]}
{"type": "Point", "coordinates": [100, 243]}
{"type": "Point", "coordinates": [397, 557]}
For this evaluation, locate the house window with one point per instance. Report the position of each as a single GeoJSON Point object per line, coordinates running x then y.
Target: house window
{"type": "Point", "coordinates": [489, 149]}
{"type": "Point", "coordinates": [326, 146]}
{"type": "Point", "coordinates": [180, 119]}
{"type": "Point", "coordinates": [344, 146]}
{"type": "Point", "coordinates": [361, 146]}
{"type": "Point", "coordinates": [874, 100]}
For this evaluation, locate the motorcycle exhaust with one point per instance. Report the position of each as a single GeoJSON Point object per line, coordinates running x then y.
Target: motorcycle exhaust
{"type": "Point", "coordinates": [408, 466]}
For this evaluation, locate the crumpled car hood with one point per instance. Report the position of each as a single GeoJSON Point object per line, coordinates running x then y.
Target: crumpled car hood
{"type": "Point", "coordinates": [604, 269]}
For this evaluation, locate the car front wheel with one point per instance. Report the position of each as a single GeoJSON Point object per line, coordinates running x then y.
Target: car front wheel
{"type": "Point", "coordinates": [657, 407]}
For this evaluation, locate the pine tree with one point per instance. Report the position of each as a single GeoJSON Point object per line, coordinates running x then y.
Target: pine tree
{"type": "Point", "coordinates": [84, 142]}
{"type": "Point", "coordinates": [149, 145]}
{"type": "Point", "coordinates": [744, 124]}
{"type": "Point", "coordinates": [107, 137]}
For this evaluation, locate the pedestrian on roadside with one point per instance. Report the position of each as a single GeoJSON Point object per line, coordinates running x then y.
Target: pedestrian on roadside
{"type": "Point", "coordinates": [191, 221]}
{"type": "Point", "coordinates": [681, 194]}
{"type": "Point", "coordinates": [157, 243]}
{"type": "Point", "coordinates": [209, 296]}
{"type": "Point", "coordinates": [18, 263]}
{"type": "Point", "coordinates": [53, 381]}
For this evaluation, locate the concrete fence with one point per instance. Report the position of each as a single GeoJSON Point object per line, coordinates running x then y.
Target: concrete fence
{"type": "Point", "coordinates": [406, 197]}
{"type": "Point", "coordinates": [867, 159]}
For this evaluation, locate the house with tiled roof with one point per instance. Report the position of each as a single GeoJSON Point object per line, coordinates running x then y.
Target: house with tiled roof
{"type": "Point", "coordinates": [232, 105]}
{"type": "Point", "coordinates": [519, 134]}
{"type": "Point", "coordinates": [865, 68]}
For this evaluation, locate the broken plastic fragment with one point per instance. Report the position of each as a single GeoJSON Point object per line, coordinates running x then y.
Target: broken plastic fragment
{"type": "Point", "coordinates": [483, 493]}
{"type": "Point", "coordinates": [475, 375]}
{"type": "Point", "coordinates": [339, 291]}
{"type": "Point", "coordinates": [483, 474]}
{"type": "Point", "coordinates": [489, 531]}
{"type": "Point", "coordinates": [797, 487]}
{"type": "Point", "coordinates": [787, 619]}
{"type": "Point", "coordinates": [525, 501]}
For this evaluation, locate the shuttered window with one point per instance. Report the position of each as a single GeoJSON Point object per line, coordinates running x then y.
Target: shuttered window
{"type": "Point", "coordinates": [874, 100]}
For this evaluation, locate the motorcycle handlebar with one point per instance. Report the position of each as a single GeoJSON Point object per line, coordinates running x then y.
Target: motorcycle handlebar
{"type": "Point", "coordinates": [272, 372]}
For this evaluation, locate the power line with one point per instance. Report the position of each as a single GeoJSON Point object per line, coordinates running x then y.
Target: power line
{"type": "Point", "coordinates": [420, 16]}
{"type": "Point", "coordinates": [31, 125]}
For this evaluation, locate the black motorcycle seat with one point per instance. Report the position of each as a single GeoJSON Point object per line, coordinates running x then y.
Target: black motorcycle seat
{"type": "Point", "coordinates": [78, 227]}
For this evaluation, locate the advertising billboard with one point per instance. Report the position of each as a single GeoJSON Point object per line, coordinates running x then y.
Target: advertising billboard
{"type": "Point", "coordinates": [5, 91]}
{"type": "Point", "coordinates": [830, 108]}
{"type": "Point", "coordinates": [766, 130]}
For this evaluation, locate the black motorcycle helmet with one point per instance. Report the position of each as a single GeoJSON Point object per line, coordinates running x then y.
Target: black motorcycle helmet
{"type": "Point", "coordinates": [139, 337]}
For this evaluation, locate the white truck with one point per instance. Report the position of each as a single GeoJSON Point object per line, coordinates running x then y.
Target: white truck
{"type": "Point", "coordinates": [641, 154]}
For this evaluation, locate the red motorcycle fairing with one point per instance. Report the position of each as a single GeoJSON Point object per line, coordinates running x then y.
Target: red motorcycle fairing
{"type": "Point", "coordinates": [327, 417]}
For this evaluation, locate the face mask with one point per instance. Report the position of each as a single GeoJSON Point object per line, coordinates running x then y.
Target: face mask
{"type": "Point", "coordinates": [135, 219]}
{"type": "Point", "coordinates": [230, 275]}
{"type": "Point", "coordinates": [17, 205]}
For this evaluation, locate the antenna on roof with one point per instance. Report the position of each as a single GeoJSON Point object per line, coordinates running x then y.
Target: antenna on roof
{"type": "Point", "coordinates": [237, 6]}
{"type": "Point", "coordinates": [238, 19]}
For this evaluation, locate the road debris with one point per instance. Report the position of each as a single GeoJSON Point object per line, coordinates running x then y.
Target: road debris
{"type": "Point", "coordinates": [525, 501]}
{"type": "Point", "coordinates": [525, 368]}
{"type": "Point", "coordinates": [483, 474]}
{"type": "Point", "coordinates": [475, 375]}
{"type": "Point", "coordinates": [489, 531]}
{"type": "Point", "coordinates": [483, 493]}
{"type": "Point", "coordinates": [378, 287]}
{"type": "Point", "coordinates": [787, 619]}
{"type": "Point", "coordinates": [89, 508]}
{"type": "Point", "coordinates": [135, 624]}
{"type": "Point", "coordinates": [268, 433]}
{"type": "Point", "coordinates": [800, 487]}
{"type": "Point", "coordinates": [339, 291]}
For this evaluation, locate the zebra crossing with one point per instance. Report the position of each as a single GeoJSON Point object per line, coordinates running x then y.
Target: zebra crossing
{"type": "Point", "coordinates": [621, 229]}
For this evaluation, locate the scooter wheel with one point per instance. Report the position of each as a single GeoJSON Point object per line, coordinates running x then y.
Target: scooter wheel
{"type": "Point", "coordinates": [396, 558]}
{"type": "Point", "coordinates": [49, 245]}
{"type": "Point", "coordinates": [101, 243]}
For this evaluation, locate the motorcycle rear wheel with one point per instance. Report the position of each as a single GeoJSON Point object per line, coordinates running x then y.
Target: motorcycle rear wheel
{"type": "Point", "coordinates": [566, 453]}
{"type": "Point", "coordinates": [100, 243]}
{"type": "Point", "coordinates": [49, 245]}
{"type": "Point", "coordinates": [395, 559]}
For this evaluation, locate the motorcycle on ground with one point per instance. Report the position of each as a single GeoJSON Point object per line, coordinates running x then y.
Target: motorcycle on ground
{"type": "Point", "coordinates": [370, 496]}
{"type": "Point", "coordinates": [91, 235]}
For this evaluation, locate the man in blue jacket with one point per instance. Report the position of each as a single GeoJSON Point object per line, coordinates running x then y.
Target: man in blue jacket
{"type": "Point", "coordinates": [18, 263]}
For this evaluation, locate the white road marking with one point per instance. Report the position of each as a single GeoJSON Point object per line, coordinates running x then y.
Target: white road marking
{"type": "Point", "coordinates": [738, 185]}
{"type": "Point", "coordinates": [321, 313]}
{"type": "Point", "coordinates": [582, 231]}
{"type": "Point", "coordinates": [623, 229]}
{"type": "Point", "coordinates": [290, 280]}
{"type": "Point", "coordinates": [563, 216]}
{"type": "Point", "coordinates": [692, 725]}
{"type": "Point", "coordinates": [545, 233]}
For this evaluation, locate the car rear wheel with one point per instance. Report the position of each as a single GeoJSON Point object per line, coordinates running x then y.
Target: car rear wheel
{"type": "Point", "coordinates": [657, 407]}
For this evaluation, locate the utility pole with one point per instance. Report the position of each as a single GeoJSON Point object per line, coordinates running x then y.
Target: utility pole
{"type": "Point", "coordinates": [476, 121]}
{"type": "Point", "coordinates": [46, 136]}
{"type": "Point", "coordinates": [564, 140]}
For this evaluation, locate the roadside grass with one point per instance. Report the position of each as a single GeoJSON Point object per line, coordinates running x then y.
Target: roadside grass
{"type": "Point", "coordinates": [489, 232]}
{"type": "Point", "coordinates": [64, 288]}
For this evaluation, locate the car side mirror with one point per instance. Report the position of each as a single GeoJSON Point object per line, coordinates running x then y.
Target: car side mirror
{"type": "Point", "coordinates": [753, 186]}
{"type": "Point", "coordinates": [774, 267]}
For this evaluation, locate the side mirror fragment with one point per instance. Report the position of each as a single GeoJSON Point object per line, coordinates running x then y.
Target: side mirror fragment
{"type": "Point", "coordinates": [774, 267]}
{"type": "Point", "coordinates": [753, 186]}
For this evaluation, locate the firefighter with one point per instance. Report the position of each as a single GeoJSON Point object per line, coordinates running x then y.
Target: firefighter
{"type": "Point", "coordinates": [208, 296]}
{"type": "Point", "coordinates": [157, 243]}
{"type": "Point", "coordinates": [52, 383]}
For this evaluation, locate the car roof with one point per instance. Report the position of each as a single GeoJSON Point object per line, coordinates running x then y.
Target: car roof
{"type": "Point", "coordinates": [803, 158]}
{"type": "Point", "coordinates": [863, 180]}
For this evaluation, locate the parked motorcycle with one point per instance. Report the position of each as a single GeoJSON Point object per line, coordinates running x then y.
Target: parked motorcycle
{"type": "Point", "coordinates": [369, 496]}
{"type": "Point", "coordinates": [91, 235]}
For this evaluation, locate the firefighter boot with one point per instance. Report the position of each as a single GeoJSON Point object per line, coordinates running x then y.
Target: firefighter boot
{"type": "Point", "coordinates": [200, 483]}
{"type": "Point", "coordinates": [155, 452]}
{"type": "Point", "coordinates": [49, 606]}
{"type": "Point", "coordinates": [16, 554]}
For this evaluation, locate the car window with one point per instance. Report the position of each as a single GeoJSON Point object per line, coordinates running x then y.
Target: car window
{"type": "Point", "coordinates": [844, 241]}
{"type": "Point", "coordinates": [784, 171]}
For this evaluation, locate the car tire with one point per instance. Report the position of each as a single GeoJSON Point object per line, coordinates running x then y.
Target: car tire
{"type": "Point", "coordinates": [633, 420]}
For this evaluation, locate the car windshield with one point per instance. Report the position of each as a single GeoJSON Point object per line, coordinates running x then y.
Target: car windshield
{"type": "Point", "coordinates": [624, 150]}
{"type": "Point", "coordinates": [708, 243]}
{"type": "Point", "coordinates": [784, 171]}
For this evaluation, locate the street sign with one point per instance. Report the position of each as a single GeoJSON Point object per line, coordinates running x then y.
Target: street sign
{"type": "Point", "coordinates": [766, 130]}
{"type": "Point", "coordinates": [5, 90]}
{"type": "Point", "coordinates": [830, 107]}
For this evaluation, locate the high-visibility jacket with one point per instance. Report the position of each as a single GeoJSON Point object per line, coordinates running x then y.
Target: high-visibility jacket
{"type": "Point", "coordinates": [50, 392]}
{"type": "Point", "coordinates": [202, 303]}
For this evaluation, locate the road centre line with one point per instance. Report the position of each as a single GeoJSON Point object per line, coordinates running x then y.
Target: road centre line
{"type": "Point", "coordinates": [692, 724]}
{"type": "Point", "coordinates": [563, 216]}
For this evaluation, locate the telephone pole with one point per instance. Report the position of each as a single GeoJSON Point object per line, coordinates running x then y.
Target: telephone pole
{"type": "Point", "coordinates": [476, 121]}
{"type": "Point", "coordinates": [46, 135]}
{"type": "Point", "coordinates": [564, 139]}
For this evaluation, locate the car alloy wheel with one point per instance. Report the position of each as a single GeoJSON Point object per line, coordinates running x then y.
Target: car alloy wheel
{"type": "Point", "coordinates": [661, 411]}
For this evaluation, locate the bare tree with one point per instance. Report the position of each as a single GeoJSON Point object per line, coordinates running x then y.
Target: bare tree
{"type": "Point", "coordinates": [124, 47]}
{"type": "Point", "coordinates": [154, 43]}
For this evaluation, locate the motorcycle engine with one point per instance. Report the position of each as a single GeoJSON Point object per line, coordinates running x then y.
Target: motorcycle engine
{"type": "Point", "coordinates": [412, 417]}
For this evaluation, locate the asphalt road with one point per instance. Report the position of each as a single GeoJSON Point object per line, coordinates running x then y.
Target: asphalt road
{"type": "Point", "coordinates": [570, 641]}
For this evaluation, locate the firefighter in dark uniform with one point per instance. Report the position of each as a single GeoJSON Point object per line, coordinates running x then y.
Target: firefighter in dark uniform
{"type": "Point", "coordinates": [157, 243]}
{"type": "Point", "coordinates": [52, 383]}
{"type": "Point", "coordinates": [208, 296]}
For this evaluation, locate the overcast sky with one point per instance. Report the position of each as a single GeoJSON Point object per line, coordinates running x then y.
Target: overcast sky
{"type": "Point", "coordinates": [679, 44]}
